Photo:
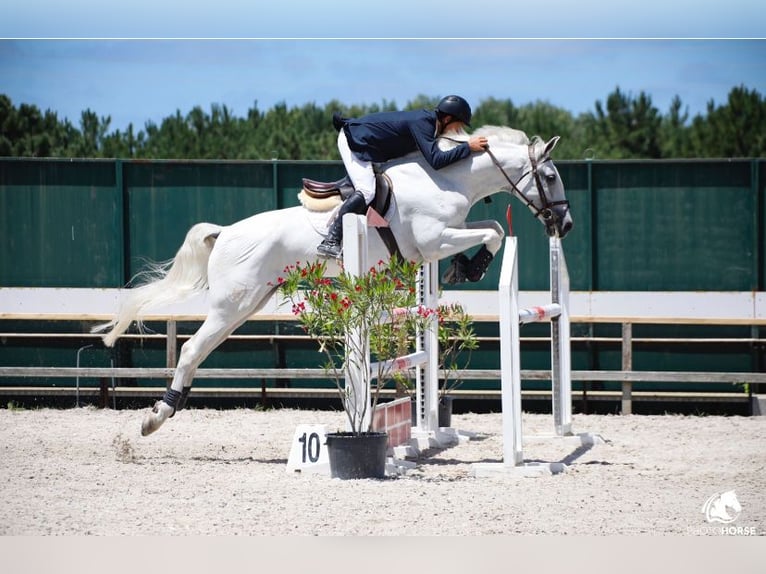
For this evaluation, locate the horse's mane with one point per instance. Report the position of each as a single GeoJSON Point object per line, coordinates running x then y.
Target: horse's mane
{"type": "Point", "coordinates": [503, 134]}
{"type": "Point", "coordinates": [500, 134]}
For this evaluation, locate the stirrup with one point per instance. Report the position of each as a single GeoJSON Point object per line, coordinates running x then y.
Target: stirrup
{"type": "Point", "coordinates": [330, 249]}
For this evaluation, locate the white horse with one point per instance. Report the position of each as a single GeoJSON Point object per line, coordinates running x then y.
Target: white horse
{"type": "Point", "coordinates": [239, 264]}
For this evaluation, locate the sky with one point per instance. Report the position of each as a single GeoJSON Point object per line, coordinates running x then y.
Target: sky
{"type": "Point", "coordinates": [135, 81]}
{"type": "Point", "coordinates": [147, 62]}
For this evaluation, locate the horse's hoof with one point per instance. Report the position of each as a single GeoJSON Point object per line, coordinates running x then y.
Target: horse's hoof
{"type": "Point", "coordinates": [154, 418]}
{"type": "Point", "coordinates": [479, 264]}
{"type": "Point", "coordinates": [449, 277]}
{"type": "Point", "coordinates": [456, 272]}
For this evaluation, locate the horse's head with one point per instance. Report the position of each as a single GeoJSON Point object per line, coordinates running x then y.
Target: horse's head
{"type": "Point", "coordinates": [545, 194]}
{"type": "Point", "coordinates": [539, 185]}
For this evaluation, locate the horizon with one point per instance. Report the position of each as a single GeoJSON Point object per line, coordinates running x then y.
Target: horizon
{"type": "Point", "coordinates": [140, 81]}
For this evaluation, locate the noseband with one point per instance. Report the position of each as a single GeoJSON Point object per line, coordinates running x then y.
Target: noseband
{"type": "Point", "coordinates": [545, 212]}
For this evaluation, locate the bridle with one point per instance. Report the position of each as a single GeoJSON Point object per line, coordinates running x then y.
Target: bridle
{"type": "Point", "coordinates": [545, 213]}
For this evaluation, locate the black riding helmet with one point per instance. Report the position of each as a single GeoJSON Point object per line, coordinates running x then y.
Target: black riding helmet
{"type": "Point", "coordinates": [455, 106]}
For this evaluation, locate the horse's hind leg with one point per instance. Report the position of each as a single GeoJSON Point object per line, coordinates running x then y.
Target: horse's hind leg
{"type": "Point", "coordinates": [218, 325]}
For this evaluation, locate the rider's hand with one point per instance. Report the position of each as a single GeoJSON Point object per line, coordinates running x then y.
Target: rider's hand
{"type": "Point", "coordinates": [478, 144]}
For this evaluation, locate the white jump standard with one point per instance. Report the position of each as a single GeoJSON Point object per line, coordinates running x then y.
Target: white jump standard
{"type": "Point", "coordinates": [557, 312]}
{"type": "Point", "coordinates": [425, 359]}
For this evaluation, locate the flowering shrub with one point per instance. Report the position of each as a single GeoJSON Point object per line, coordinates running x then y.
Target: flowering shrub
{"type": "Point", "coordinates": [372, 305]}
{"type": "Point", "coordinates": [457, 341]}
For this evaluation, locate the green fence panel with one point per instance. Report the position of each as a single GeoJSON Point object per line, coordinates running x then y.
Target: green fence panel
{"type": "Point", "coordinates": [165, 199]}
{"type": "Point", "coordinates": [59, 224]}
{"type": "Point", "coordinates": [678, 226]}
{"type": "Point", "coordinates": [638, 225]}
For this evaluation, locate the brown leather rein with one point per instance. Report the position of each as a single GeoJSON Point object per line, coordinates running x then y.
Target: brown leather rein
{"type": "Point", "coordinates": [545, 212]}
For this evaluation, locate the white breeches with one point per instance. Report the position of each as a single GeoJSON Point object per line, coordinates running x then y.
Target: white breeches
{"type": "Point", "coordinates": [360, 171]}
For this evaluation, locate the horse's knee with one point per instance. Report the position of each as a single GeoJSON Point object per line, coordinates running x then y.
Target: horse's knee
{"type": "Point", "coordinates": [495, 240]}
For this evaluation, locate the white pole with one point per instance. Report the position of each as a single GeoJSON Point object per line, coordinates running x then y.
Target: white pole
{"type": "Point", "coordinates": [561, 362]}
{"type": "Point", "coordinates": [510, 359]}
{"type": "Point", "coordinates": [430, 277]}
{"type": "Point", "coordinates": [399, 364]}
{"type": "Point", "coordinates": [427, 341]}
{"type": "Point", "coordinates": [539, 313]}
{"type": "Point", "coordinates": [357, 384]}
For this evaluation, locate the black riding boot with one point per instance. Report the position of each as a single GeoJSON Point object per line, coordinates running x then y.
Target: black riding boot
{"type": "Point", "coordinates": [332, 246]}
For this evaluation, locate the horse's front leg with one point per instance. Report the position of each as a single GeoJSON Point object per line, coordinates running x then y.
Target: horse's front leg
{"type": "Point", "coordinates": [454, 241]}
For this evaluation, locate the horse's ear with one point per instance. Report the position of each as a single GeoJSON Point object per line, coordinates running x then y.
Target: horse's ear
{"type": "Point", "coordinates": [551, 144]}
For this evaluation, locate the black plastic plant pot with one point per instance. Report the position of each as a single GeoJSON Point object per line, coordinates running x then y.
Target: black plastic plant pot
{"type": "Point", "coordinates": [445, 411]}
{"type": "Point", "coordinates": [357, 455]}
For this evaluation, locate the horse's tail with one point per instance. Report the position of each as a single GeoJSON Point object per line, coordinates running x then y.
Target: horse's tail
{"type": "Point", "coordinates": [168, 282]}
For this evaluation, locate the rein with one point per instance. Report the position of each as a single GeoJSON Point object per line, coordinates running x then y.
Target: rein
{"type": "Point", "coordinates": [545, 212]}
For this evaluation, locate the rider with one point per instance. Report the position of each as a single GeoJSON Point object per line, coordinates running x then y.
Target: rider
{"type": "Point", "coordinates": [379, 137]}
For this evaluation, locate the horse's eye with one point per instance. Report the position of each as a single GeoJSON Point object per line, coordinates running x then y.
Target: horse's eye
{"type": "Point", "coordinates": [550, 178]}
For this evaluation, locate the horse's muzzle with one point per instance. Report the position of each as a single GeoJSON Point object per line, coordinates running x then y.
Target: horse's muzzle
{"type": "Point", "coordinates": [557, 222]}
{"type": "Point", "coordinates": [566, 227]}
{"type": "Point", "coordinates": [559, 226]}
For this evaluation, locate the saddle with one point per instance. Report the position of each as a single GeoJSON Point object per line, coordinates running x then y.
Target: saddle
{"type": "Point", "coordinates": [384, 191]}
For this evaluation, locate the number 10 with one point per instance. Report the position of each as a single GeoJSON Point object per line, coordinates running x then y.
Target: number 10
{"type": "Point", "coordinates": [311, 446]}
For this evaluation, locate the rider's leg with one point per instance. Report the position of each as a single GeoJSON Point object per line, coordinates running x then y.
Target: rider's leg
{"type": "Point", "coordinates": [363, 178]}
{"type": "Point", "coordinates": [332, 246]}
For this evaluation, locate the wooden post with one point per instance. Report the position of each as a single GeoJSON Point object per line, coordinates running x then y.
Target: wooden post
{"type": "Point", "coordinates": [171, 346]}
{"type": "Point", "coordinates": [103, 393]}
{"type": "Point", "coordinates": [627, 365]}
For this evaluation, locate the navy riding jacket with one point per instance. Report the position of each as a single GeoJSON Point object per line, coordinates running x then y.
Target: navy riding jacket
{"type": "Point", "coordinates": [382, 136]}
